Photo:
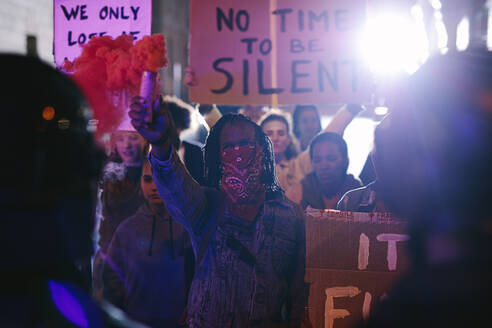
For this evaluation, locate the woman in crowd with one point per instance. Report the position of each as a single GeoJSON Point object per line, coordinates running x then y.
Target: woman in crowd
{"type": "Point", "coordinates": [276, 126]}
{"type": "Point", "coordinates": [307, 124]}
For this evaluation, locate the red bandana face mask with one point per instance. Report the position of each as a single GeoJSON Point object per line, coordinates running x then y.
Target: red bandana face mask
{"type": "Point", "coordinates": [241, 174]}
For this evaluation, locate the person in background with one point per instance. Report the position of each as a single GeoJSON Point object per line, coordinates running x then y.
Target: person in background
{"type": "Point", "coordinates": [121, 196]}
{"type": "Point", "coordinates": [307, 124]}
{"type": "Point", "coordinates": [190, 153]}
{"type": "Point", "coordinates": [48, 189]}
{"type": "Point", "coordinates": [120, 192]}
{"type": "Point", "coordinates": [433, 160]}
{"type": "Point", "coordinates": [276, 126]}
{"type": "Point", "coordinates": [248, 238]}
{"type": "Point", "coordinates": [290, 168]}
{"type": "Point", "coordinates": [210, 113]}
{"type": "Point", "coordinates": [145, 271]}
{"type": "Point", "coordinates": [329, 181]}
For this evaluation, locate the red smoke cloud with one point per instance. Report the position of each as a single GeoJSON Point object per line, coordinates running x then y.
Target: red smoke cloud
{"type": "Point", "coordinates": [109, 72]}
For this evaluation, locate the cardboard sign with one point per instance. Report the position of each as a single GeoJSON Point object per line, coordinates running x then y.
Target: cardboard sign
{"type": "Point", "coordinates": [352, 260]}
{"type": "Point", "coordinates": [272, 51]}
{"type": "Point", "coordinates": [75, 22]}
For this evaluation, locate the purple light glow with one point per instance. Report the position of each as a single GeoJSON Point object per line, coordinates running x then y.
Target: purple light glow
{"type": "Point", "coordinates": [68, 304]}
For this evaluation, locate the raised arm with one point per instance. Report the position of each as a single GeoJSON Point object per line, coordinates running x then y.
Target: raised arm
{"type": "Point", "coordinates": [342, 118]}
{"type": "Point", "coordinates": [183, 196]}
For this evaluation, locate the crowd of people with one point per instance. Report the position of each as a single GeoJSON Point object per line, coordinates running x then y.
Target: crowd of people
{"type": "Point", "coordinates": [214, 236]}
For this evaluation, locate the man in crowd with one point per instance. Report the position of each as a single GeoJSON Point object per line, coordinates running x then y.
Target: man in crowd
{"type": "Point", "coordinates": [248, 239]}
{"type": "Point", "coordinates": [145, 272]}
{"type": "Point", "coordinates": [329, 180]}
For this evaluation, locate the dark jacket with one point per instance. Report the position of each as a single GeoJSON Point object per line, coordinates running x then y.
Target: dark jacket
{"type": "Point", "coordinates": [312, 194]}
{"type": "Point", "coordinates": [250, 275]}
{"type": "Point", "coordinates": [362, 199]}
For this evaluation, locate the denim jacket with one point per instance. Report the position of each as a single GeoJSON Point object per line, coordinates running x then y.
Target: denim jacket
{"type": "Point", "coordinates": [250, 276]}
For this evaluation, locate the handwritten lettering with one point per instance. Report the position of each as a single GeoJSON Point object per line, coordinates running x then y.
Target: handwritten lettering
{"type": "Point", "coordinates": [242, 19]}
{"type": "Point", "coordinates": [331, 313]}
{"type": "Point", "coordinates": [392, 239]}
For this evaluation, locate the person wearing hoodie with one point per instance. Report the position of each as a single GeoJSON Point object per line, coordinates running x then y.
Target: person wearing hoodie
{"type": "Point", "coordinates": [146, 269]}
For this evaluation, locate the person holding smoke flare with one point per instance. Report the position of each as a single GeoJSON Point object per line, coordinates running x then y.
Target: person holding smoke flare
{"type": "Point", "coordinates": [248, 238]}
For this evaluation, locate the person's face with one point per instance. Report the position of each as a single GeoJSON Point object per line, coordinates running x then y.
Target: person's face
{"type": "Point", "coordinates": [241, 163]}
{"type": "Point", "coordinates": [328, 163]}
{"type": "Point", "coordinates": [308, 124]}
{"type": "Point", "coordinates": [148, 186]}
{"type": "Point", "coordinates": [277, 132]}
{"type": "Point", "coordinates": [129, 146]}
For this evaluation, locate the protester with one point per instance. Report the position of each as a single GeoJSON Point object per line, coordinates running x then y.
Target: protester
{"type": "Point", "coordinates": [248, 238]}
{"type": "Point", "coordinates": [329, 180]}
{"type": "Point", "coordinates": [292, 167]}
{"type": "Point", "coordinates": [307, 124]}
{"type": "Point", "coordinates": [120, 191]}
{"type": "Point", "coordinates": [433, 157]}
{"type": "Point", "coordinates": [48, 195]}
{"type": "Point", "coordinates": [145, 271]}
{"type": "Point", "coordinates": [276, 126]}
{"type": "Point", "coordinates": [121, 196]}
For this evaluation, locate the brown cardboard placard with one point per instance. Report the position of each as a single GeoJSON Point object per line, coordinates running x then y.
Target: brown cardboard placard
{"type": "Point", "coordinates": [352, 260]}
{"type": "Point", "coordinates": [271, 51]}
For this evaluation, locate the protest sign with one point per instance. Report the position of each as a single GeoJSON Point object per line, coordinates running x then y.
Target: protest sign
{"type": "Point", "coordinates": [250, 52]}
{"type": "Point", "coordinates": [75, 22]}
{"type": "Point", "coordinates": [352, 260]}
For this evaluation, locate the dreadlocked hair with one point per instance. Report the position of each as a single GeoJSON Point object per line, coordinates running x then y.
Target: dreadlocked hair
{"type": "Point", "coordinates": [213, 164]}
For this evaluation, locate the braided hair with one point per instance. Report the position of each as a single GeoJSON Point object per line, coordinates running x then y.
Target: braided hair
{"type": "Point", "coordinates": [213, 164]}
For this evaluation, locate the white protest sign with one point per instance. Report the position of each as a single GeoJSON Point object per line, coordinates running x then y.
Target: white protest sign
{"type": "Point", "coordinates": [75, 22]}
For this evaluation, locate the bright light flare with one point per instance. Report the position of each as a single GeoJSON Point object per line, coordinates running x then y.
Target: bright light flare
{"type": "Point", "coordinates": [394, 43]}
{"type": "Point", "coordinates": [463, 34]}
{"type": "Point", "coordinates": [381, 110]}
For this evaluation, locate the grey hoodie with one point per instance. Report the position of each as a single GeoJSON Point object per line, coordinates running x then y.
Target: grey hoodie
{"type": "Point", "coordinates": [144, 273]}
